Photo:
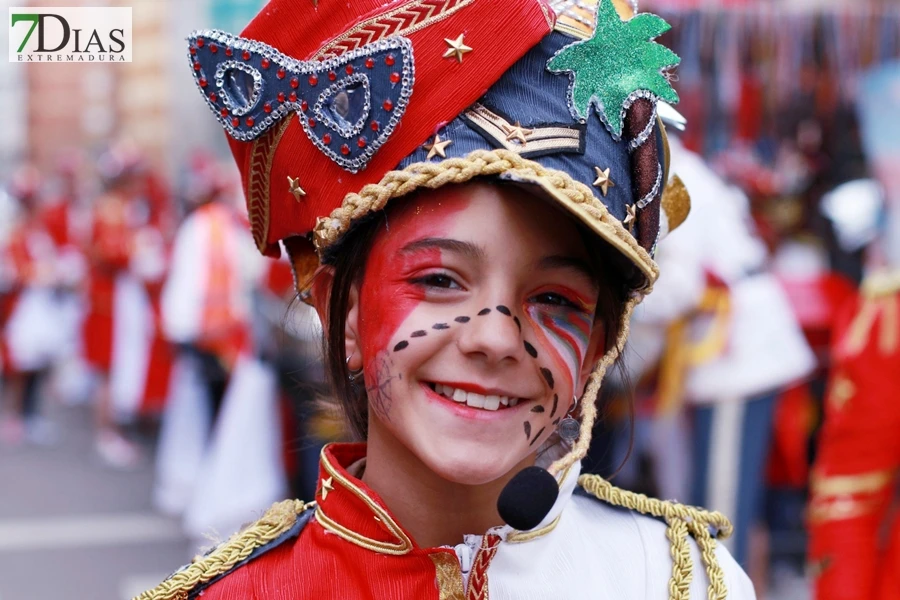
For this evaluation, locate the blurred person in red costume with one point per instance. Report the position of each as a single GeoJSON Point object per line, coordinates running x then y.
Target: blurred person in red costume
{"type": "Point", "coordinates": [124, 252]}
{"type": "Point", "coordinates": [469, 193]}
{"type": "Point", "coordinates": [31, 312]}
{"type": "Point", "coordinates": [854, 536]}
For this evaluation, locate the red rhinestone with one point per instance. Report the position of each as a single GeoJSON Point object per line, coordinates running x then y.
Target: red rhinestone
{"type": "Point", "coordinates": [224, 112]}
{"type": "Point", "coordinates": [264, 63]}
{"type": "Point", "coordinates": [389, 60]}
{"type": "Point", "coordinates": [213, 97]}
{"type": "Point", "coordinates": [361, 142]}
{"type": "Point", "coordinates": [293, 97]}
{"type": "Point", "coordinates": [213, 48]}
{"type": "Point", "coordinates": [196, 66]}
{"type": "Point", "coordinates": [349, 69]}
{"type": "Point", "coordinates": [281, 96]}
{"type": "Point", "coordinates": [326, 138]}
{"type": "Point", "coordinates": [332, 76]}
{"type": "Point", "coordinates": [370, 63]}
{"type": "Point", "coordinates": [375, 126]}
{"type": "Point", "coordinates": [395, 77]}
{"type": "Point", "coordinates": [228, 51]}
{"type": "Point", "coordinates": [203, 82]}
{"type": "Point", "coordinates": [267, 107]}
{"type": "Point", "coordinates": [281, 73]}
{"type": "Point", "coordinates": [200, 42]}
{"type": "Point", "coordinates": [250, 121]}
{"type": "Point", "coordinates": [246, 55]}
{"type": "Point", "coordinates": [193, 51]}
{"type": "Point", "coordinates": [345, 149]}
{"type": "Point", "coordinates": [235, 122]}
{"type": "Point", "coordinates": [313, 80]}
{"type": "Point", "coordinates": [388, 105]}
{"type": "Point", "coordinates": [304, 106]}
{"type": "Point", "coordinates": [312, 123]}
{"type": "Point", "coordinates": [295, 83]}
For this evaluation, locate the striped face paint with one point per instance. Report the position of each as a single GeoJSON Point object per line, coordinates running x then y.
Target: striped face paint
{"type": "Point", "coordinates": [564, 333]}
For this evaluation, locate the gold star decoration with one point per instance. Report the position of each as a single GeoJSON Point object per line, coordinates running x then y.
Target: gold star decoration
{"type": "Point", "coordinates": [631, 217]}
{"type": "Point", "coordinates": [517, 132]}
{"type": "Point", "coordinates": [327, 486]}
{"type": "Point", "coordinates": [437, 147]}
{"type": "Point", "coordinates": [603, 182]}
{"type": "Point", "coordinates": [456, 48]}
{"type": "Point", "coordinates": [295, 189]}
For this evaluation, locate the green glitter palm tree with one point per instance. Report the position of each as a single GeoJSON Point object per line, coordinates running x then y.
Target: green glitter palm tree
{"type": "Point", "coordinates": [619, 60]}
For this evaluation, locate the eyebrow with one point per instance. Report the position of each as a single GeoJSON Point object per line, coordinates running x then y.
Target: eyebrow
{"type": "Point", "coordinates": [571, 264]}
{"type": "Point", "coordinates": [465, 248]}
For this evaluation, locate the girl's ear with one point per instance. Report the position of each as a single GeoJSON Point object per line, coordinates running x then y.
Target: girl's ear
{"type": "Point", "coordinates": [351, 336]}
{"type": "Point", "coordinates": [320, 291]}
{"type": "Point", "coordinates": [595, 351]}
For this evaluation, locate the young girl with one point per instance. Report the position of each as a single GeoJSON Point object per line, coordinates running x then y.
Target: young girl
{"type": "Point", "coordinates": [470, 193]}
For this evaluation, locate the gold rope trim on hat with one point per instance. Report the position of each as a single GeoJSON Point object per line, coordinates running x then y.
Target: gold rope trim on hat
{"type": "Point", "coordinates": [278, 519]}
{"type": "Point", "coordinates": [682, 521]}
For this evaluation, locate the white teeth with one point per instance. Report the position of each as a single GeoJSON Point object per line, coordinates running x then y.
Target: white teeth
{"type": "Point", "coordinates": [473, 399]}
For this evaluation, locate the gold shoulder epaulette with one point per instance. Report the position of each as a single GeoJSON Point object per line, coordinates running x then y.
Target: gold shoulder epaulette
{"type": "Point", "coordinates": [881, 284]}
{"type": "Point", "coordinates": [278, 519]}
{"type": "Point", "coordinates": [682, 521]}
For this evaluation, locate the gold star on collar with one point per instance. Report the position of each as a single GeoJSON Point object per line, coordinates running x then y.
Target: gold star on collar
{"type": "Point", "coordinates": [631, 217]}
{"type": "Point", "coordinates": [327, 486]}
{"type": "Point", "coordinates": [517, 132]}
{"type": "Point", "coordinates": [295, 189]}
{"type": "Point", "coordinates": [603, 182]}
{"type": "Point", "coordinates": [437, 147]}
{"type": "Point", "coordinates": [456, 48]}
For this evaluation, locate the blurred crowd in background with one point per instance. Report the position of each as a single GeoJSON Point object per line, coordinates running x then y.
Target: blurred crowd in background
{"type": "Point", "coordinates": [129, 282]}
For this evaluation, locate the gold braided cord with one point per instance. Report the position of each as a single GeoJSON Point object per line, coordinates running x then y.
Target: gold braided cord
{"type": "Point", "coordinates": [682, 571]}
{"type": "Point", "coordinates": [681, 520]}
{"type": "Point", "coordinates": [278, 519]}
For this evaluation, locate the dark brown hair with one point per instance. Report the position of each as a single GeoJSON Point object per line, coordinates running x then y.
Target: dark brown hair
{"type": "Point", "coordinates": [348, 258]}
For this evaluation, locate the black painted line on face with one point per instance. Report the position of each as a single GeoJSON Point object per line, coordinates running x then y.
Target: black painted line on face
{"type": "Point", "coordinates": [401, 345]}
{"type": "Point", "coordinates": [537, 436]}
{"type": "Point", "coordinates": [548, 376]}
{"type": "Point", "coordinates": [556, 421]}
{"type": "Point", "coordinates": [419, 333]}
{"type": "Point", "coordinates": [462, 319]}
{"type": "Point", "coordinates": [531, 350]}
{"type": "Point", "coordinates": [518, 323]}
{"type": "Point", "coordinates": [555, 405]}
{"type": "Point", "coordinates": [440, 326]}
{"type": "Point", "coordinates": [483, 312]}
{"type": "Point", "coordinates": [504, 310]}
{"type": "Point", "coordinates": [527, 430]}
{"type": "Point", "coordinates": [537, 409]}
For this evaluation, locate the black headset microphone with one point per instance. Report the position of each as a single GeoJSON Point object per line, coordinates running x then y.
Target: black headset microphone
{"type": "Point", "coordinates": [528, 498]}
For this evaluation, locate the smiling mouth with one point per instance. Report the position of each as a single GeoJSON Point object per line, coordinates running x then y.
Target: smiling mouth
{"type": "Point", "coordinates": [472, 399]}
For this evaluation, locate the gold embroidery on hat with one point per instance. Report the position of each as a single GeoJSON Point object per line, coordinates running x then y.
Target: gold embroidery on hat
{"type": "Point", "coordinates": [536, 139]}
{"type": "Point", "coordinates": [261, 155]}
{"type": "Point", "coordinates": [456, 48]}
{"type": "Point", "coordinates": [403, 21]}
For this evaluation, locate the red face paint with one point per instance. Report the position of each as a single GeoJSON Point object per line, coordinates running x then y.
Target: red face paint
{"type": "Point", "coordinates": [387, 297]}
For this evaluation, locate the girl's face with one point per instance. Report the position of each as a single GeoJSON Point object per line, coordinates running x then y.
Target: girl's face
{"type": "Point", "coordinates": [475, 327]}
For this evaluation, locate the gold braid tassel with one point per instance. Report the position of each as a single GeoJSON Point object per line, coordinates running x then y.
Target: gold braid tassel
{"type": "Point", "coordinates": [278, 519]}
{"type": "Point", "coordinates": [682, 520]}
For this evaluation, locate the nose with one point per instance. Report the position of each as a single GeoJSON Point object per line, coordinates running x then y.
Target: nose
{"type": "Point", "coordinates": [494, 335]}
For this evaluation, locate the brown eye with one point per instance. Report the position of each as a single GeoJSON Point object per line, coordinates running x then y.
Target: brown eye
{"type": "Point", "coordinates": [438, 280]}
{"type": "Point", "coordinates": [553, 299]}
